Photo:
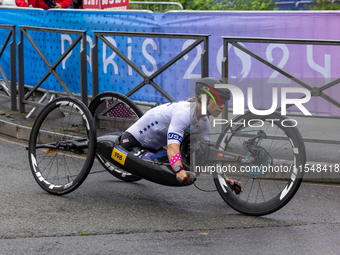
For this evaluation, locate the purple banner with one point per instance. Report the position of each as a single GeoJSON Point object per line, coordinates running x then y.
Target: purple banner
{"type": "Point", "coordinates": [315, 65]}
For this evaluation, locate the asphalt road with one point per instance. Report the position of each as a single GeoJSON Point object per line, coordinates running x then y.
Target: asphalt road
{"type": "Point", "coordinates": [108, 216]}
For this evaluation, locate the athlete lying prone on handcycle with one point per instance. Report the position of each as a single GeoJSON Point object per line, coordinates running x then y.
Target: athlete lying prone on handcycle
{"type": "Point", "coordinates": [167, 124]}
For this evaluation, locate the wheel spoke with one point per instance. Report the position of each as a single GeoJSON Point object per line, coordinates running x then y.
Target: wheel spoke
{"type": "Point", "coordinates": [261, 190]}
{"type": "Point", "coordinates": [113, 112]}
{"type": "Point", "coordinates": [62, 166]}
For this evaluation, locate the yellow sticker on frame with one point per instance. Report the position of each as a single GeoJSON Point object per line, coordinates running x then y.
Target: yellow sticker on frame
{"type": "Point", "coordinates": [119, 155]}
{"type": "Point", "coordinates": [51, 151]}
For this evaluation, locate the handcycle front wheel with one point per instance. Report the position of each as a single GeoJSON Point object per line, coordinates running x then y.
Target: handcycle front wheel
{"type": "Point", "coordinates": [62, 145]}
{"type": "Point", "coordinates": [114, 113]}
{"type": "Point", "coordinates": [272, 180]}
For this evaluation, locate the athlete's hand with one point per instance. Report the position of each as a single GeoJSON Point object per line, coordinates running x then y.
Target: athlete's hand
{"type": "Point", "coordinates": [185, 178]}
{"type": "Point", "coordinates": [237, 192]}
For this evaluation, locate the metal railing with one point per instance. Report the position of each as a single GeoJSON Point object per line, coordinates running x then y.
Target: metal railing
{"type": "Point", "coordinates": [315, 91]}
{"type": "Point", "coordinates": [155, 5]}
{"type": "Point", "coordinates": [147, 79]}
{"type": "Point", "coordinates": [23, 99]}
{"type": "Point", "coordinates": [9, 87]}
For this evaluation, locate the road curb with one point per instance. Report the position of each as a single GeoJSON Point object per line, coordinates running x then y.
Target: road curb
{"type": "Point", "coordinates": [15, 130]}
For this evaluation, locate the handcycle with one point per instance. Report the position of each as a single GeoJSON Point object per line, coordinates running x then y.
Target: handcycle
{"type": "Point", "coordinates": [67, 136]}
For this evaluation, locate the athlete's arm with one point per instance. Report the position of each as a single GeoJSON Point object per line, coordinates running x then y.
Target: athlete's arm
{"type": "Point", "coordinates": [172, 150]}
{"type": "Point", "coordinates": [179, 123]}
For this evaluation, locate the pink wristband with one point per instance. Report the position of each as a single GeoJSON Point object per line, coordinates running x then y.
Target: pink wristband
{"type": "Point", "coordinates": [174, 159]}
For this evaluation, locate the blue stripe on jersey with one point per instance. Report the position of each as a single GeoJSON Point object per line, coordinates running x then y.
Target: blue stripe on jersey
{"type": "Point", "coordinates": [174, 136]}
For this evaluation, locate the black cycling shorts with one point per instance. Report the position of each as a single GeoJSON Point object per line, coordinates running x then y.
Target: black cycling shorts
{"type": "Point", "coordinates": [128, 141]}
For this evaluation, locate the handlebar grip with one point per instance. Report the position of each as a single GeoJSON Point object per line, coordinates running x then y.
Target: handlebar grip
{"type": "Point", "coordinates": [180, 181]}
{"type": "Point", "coordinates": [189, 175]}
{"type": "Point", "coordinates": [236, 187]}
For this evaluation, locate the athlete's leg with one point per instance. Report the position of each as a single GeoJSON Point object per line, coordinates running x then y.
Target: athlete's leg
{"type": "Point", "coordinates": [128, 141]}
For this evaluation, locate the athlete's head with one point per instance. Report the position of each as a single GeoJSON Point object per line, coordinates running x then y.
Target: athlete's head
{"type": "Point", "coordinates": [216, 97]}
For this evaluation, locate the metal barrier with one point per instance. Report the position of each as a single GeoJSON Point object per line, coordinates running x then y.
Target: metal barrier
{"type": "Point", "coordinates": [9, 87]}
{"type": "Point", "coordinates": [155, 4]}
{"type": "Point", "coordinates": [23, 99]}
{"type": "Point", "coordinates": [315, 91]}
{"type": "Point", "coordinates": [147, 79]}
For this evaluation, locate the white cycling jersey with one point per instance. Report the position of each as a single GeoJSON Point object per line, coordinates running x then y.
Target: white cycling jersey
{"type": "Point", "coordinates": [166, 124]}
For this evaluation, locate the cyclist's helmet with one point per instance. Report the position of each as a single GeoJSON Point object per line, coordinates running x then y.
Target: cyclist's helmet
{"type": "Point", "coordinates": [206, 86]}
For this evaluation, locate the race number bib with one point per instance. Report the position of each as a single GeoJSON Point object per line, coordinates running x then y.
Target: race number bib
{"type": "Point", "coordinates": [119, 155]}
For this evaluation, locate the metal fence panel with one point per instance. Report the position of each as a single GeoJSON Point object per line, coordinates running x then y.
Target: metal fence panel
{"type": "Point", "coordinates": [9, 87]}
{"type": "Point", "coordinates": [23, 99]}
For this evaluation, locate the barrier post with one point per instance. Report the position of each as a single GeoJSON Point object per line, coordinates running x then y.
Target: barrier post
{"type": "Point", "coordinates": [21, 83]}
{"type": "Point", "coordinates": [83, 69]}
{"type": "Point", "coordinates": [13, 70]}
{"type": "Point", "coordinates": [95, 70]}
{"type": "Point", "coordinates": [225, 76]}
{"type": "Point", "coordinates": [205, 59]}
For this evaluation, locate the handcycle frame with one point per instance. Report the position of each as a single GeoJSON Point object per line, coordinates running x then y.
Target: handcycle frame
{"type": "Point", "coordinates": [105, 146]}
{"type": "Point", "coordinates": [110, 149]}
{"type": "Point", "coordinates": [130, 161]}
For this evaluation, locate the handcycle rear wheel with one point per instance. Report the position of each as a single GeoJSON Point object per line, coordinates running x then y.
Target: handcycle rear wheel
{"type": "Point", "coordinates": [114, 113]}
{"type": "Point", "coordinates": [279, 145]}
{"type": "Point", "coordinates": [62, 145]}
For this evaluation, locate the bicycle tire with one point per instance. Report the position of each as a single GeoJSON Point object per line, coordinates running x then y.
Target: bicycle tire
{"type": "Point", "coordinates": [263, 192]}
{"type": "Point", "coordinates": [57, 164]}
{"type": "Point", "coordinates": [114, 112]}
